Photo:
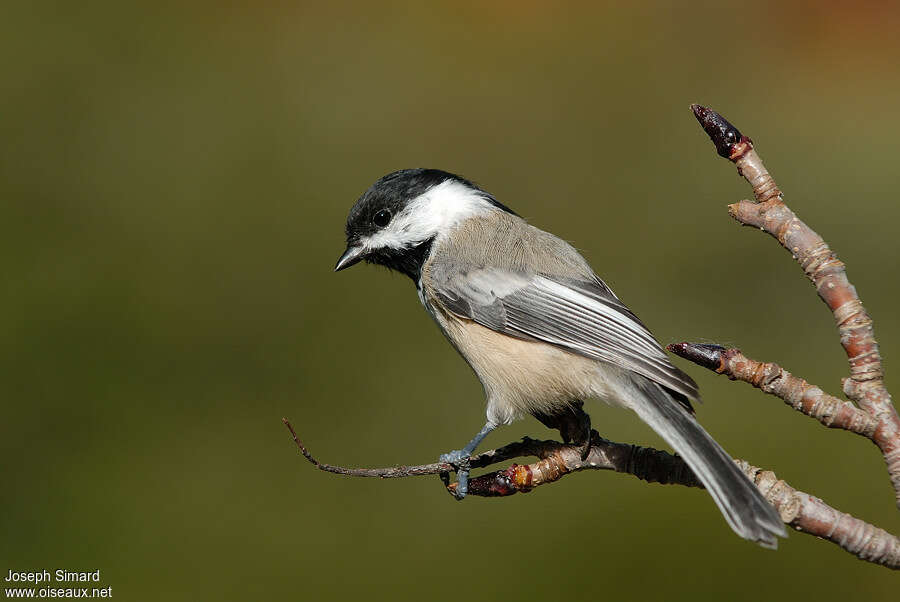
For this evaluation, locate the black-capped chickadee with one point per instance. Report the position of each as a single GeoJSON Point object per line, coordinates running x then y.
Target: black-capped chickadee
{"type": "Point", "coordinates": [535, 323]}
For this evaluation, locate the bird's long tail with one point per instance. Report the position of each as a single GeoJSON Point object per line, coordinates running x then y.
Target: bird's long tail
{"type": "Point", "coordinates": [743, 506]}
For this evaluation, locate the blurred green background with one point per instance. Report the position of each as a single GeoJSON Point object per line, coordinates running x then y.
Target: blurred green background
{"type": "Point", "coordinates": [174, 181]}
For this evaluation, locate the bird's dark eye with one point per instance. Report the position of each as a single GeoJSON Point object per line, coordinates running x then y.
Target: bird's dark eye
{"type": "Point", "coordinates": [382, 218]}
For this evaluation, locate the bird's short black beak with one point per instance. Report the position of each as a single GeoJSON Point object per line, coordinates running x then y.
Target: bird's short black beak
{"type": "Point", "coordinates": [352, 255]}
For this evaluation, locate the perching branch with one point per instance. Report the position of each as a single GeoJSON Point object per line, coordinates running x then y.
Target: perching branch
{"type": "Point", "coordinates": [875, 418]}
{"type": "Point", "coordinates": [800, 510]}
{"type": "Point", "coordinates": [557, 460]}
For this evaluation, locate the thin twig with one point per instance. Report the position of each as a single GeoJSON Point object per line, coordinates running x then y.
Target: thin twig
{"type": "Point", "coordinates": [392, 472]}
{"type": "Point", "coordinates": [865, 385]}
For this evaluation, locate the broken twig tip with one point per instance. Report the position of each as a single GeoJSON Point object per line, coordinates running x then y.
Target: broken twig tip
{"type": "Point", "coordinates": [729, 142]}
{"type": "Point", "coordinates": [299, 444]}
{"type": "Point", "coordinates": [703, 354]}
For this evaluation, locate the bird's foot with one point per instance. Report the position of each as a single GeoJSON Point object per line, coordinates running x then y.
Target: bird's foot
{"type": "Point", "coordinates": [460, 460]}
{"type": "Point", "coordinates": [453, 457]}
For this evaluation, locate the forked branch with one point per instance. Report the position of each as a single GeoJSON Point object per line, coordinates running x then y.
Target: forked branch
{"type": "Point", "coordinates": [768, 212]}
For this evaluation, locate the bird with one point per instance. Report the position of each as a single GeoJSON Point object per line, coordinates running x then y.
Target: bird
{"type": "Point", "coordinates": [539, 328]}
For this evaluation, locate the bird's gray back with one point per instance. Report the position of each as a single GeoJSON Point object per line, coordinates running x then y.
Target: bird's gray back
{"type": "Point", "coordinates": [506, 241]}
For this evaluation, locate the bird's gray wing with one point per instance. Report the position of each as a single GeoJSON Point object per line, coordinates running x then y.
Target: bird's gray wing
{"type": "Point", "coordinates": [581, 316]}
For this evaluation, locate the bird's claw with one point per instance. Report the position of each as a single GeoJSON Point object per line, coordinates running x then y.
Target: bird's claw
{"type": "Point", "coordinates": [586, 450]}
{"type": "Point", "coordinates": [460, 460]}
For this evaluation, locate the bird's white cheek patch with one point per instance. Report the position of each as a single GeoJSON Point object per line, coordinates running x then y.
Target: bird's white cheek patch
{"type": "Point", "coordinates": [430, 215]}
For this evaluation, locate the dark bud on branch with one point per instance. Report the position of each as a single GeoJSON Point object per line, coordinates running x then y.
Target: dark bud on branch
{"type": "Point", "coordinates": [730, 143]}
{"type": "Point", "coordinates": [703, 354]}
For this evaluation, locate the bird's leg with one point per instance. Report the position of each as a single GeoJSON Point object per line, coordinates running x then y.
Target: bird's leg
{"type": "Point", "coordinates": [460, 459]}
{"type": "Point", "coordinates": [573, 424]}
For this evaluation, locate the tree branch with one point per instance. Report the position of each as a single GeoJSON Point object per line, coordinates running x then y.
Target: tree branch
{"type": "Point", "coordinates": [800, 510]}
{"type": "Point", "coordinates": [865, 385]}
{"type": "Point", "coordinates": [773, 379]}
